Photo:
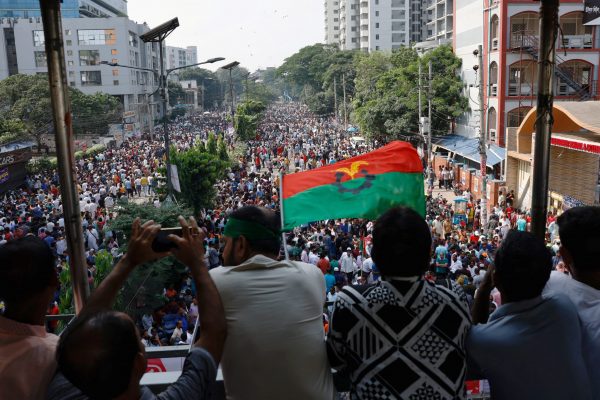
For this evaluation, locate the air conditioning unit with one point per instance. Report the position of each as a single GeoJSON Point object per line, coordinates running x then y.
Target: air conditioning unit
{"type": "Point", "coordinates": [494, 89]}
{"type": "Point", "coordinates": [492, 135]}
{"type": "Point", "coordinates": [495, 43]}
{"type": "Point", "coordinates": [563, 89]}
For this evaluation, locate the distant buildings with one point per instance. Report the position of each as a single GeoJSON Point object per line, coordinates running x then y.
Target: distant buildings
{"type": "Point", "coordinates": [374, 25]}
{"type": "Point", "coordinates": [69, 8]}
{"type": "Point", "coordinates": [177, 57]}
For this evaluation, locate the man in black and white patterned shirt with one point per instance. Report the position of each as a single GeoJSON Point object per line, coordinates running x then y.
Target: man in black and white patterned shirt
{"type": "Point", "coordinates": [402, 338]}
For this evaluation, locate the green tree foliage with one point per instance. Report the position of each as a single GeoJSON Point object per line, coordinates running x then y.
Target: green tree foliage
{"type": "Point", "coordinates": [199, 169]}
{"type": "Point", "coordinates": [386, 101]}
{"type": "Point", "coordinates": [247, 118]}
{"type": "Point", "coordinates": [211, 143]}
{"type": "Point", "coordinates": [222, 150]}
{"type": "Point", "coordinates": [11, 130]}
{"type": "Point", "coordinates": [26, 98]}
{"type": "Point", "coordinates": [310, 74]}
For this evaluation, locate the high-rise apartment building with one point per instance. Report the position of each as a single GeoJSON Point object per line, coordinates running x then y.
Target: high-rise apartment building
{"type": "Point", "coordinates": [372, 25]}
{"type": "Point", "coordinates": [440, 20]}
{"type": "Point", "coordinates": [180, 57]}
{"type": "Point", "coordinates": [332, 21]}
{"type": "Point", "coordinates": [69, 8]}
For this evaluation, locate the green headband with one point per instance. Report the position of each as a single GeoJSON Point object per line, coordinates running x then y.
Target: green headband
{"type": "Point", "coordinates": [251, 230]}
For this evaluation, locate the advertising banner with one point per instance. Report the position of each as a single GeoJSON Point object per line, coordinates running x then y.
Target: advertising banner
{"type": "Point", "coordinates": [591, 12]}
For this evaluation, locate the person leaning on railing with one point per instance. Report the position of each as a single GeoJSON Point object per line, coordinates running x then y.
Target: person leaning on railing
{"type": "Point", "coordinates": [101, 352]}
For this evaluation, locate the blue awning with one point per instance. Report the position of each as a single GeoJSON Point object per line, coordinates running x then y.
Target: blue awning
{"type": "Point", "coordinates": [469, 148]}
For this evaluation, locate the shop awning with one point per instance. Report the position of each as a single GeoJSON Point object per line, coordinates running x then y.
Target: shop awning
{"type": "Point", "coordinates": [469, 148]}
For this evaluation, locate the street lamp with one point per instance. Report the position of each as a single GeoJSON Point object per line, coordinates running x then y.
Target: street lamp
{"type": "Point", "coordinates": [230, 67]}
{"type": "Point", "coordinates": [158, 35]}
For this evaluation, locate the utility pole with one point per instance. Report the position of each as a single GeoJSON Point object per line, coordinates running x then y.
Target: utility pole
{"type": "Point", "coordinates": [63, 132]}
{"type": "Point", "coordinates": [430, 95]}
{"type": "Point", "coordinates": [345, 109]}
{"type": "Point", "coordinates": [482, 139]}
{"type": "Point", "coordinates": [335, 98]}
{"type": "Point", "coordinates": [151, 114]}
{"type": "Point", "coordinates": [420, 108]}
{"type": "Point", "coordinates": [543, 131]}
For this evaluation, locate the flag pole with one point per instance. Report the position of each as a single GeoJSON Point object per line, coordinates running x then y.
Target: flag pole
{"type": "Point", "coordinates": [285, 250]}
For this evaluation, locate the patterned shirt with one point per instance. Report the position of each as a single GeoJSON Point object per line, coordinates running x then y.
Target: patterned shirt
{"type": "Point", "coordinates": [400, 339]}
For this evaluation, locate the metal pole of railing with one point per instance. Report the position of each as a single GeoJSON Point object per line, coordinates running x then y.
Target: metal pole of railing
{"type": "Point", "coordinates": [63, 131]}
{"type": "Point", "coordinates": [544, 119]}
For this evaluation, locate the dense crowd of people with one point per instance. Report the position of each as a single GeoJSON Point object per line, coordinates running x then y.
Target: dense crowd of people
{"type": "Point", "coordinates": [403, 302]}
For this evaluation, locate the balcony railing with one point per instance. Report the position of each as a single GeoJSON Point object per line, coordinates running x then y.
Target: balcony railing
{"type": "Point", "coordinates": [576, 42]}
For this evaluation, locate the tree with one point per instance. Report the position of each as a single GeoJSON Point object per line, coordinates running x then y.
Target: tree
{"type": "Point", "coordinates": [386, 103]}
{"type": "Point", "coordinates": [208, 81]}
{"type": "Point", "coordinates": [199, 169]}
{"type": "Point", "coordinates": [176, 93]}
{"type": "Point", "coordinates": [26, 98]}
{"type": "Point", "coordinates": [247, 118]}
{"type": "Point", "coordinates": [11, 130]}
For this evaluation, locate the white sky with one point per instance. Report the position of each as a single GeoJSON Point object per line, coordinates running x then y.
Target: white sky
{"type": "Point", "coordinates": [257, 33]}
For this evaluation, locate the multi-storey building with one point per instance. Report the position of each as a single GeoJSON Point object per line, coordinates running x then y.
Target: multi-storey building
{"type": "Point", "coordinates": [69, 8]}
{"type": "Point", "coordinates": [372, 25]}
{"type": "Point", "coordinates": [349, 24]}
{"type": "Point", "coordinates": [88, 42]}
{"type": "Point", "coordinates": [180, 57]}
{"type": "Point", "coordinates": [332, 21]}
{"type": "Point", "coordinates": [440, 20]}
{"type": "Point", "coordinates": [509, 34]}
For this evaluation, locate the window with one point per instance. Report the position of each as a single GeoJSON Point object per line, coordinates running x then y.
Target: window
{"type": "Point", "coordinates": [397, 3]}
{"type": "Point", "coordinates": [92, 37]}
{"type": "Point", "coordinates": [376, 47]}
{"type": "Point", "coordinates": [71, 74]}
{"type": "Point", "coordinates": [38, 38]}
{"type": "Point", "coordinates": [353, 40]}
{"type": "Point", "coordinates": [398, 14]}
{"type": "Point", "coordinates": [91, 78]}
{"type": "Point", "coordinates": [336, 28]}
{"type": "Point", "coordinates": [377, 37]}
{"type": "Point", "coordinates": [377, 13]}
{"type": "Point", "coordinates": [336, 19]}
{"type": "Point", "coordinates": [70, 53]}
{"type": "Point", "coordinates": [114, 52]}
{"type": "Point", "coordinates": [67, 32]}
{"type": "Point", "coordinates": [114, 61]}
{"type": "Point", "coordinates": [133, 40]}
{"type": "Point", "coordinates": [353, 29]}
{"type": "Point", "coordinates": [398, 37]}
{"type": "Point", "coordinates": [72, 83]}
{"type": "Point", "coordinates": [115, 72]}
{"type": "Point", "coordinates": [376, 2]}
{"type": "Point", "coordinates": [69, 42]}
{"type": "Point", "coordinates": [398, 25]}
{"type": "Point", "coordinates": [70, 63]}
{"type": "Point", "coordinates": [376, 24]}
{"type": "Point", "coordinates": [116, 82]}
{"type": "Point", "coordinates": [353, 18]}
{"type": "Point", "coordinates": [40, 59]}
{"type": "Point", "coordinates": [516, 116]}
{"type": "Point", "coordinates": [89, 57]}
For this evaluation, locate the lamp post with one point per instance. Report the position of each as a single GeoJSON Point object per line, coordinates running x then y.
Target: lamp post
{"type": "Point", "coordinates": [164, 74]}
{"type": "Point", "coordinates": [230, 67]}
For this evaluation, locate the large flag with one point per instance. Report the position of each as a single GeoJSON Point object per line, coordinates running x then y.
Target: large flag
{"type": "Point", "coordinates": [360, 187]}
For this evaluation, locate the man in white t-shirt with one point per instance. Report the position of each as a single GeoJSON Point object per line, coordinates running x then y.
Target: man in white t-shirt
{"type": "Point", "coordinates": [275, 339]}
{"type": "Point", "coordinates": [579, 230]}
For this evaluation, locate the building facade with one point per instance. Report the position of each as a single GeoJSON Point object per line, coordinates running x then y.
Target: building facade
{"type": "Point", "coordinates": [374, 25]}
{"type": "Point", "coordinates": [69, 8]}
{"type": "Point", "coordinates": [332, 21]}
{"type": "Point", "coordinates": [88, 42]}
{"type": "Point", "coordinates": [510, 49]}
{"type": "Point", "coordinates": [177, 57]}
{"type": "Point", "coordinates": [440, 20]}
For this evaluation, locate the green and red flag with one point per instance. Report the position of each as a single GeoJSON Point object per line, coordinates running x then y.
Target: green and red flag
{"type": "Point", "coordinates": [360, 187]}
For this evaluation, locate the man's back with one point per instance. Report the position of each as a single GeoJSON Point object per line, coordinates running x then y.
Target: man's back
{"type": "Point", "coordinates": [587, 302]}
{"type": "Point", "coordinates": [521, 336]}
{"type": "Point", "coordinates": [23, 348]}
{"type": "Point", "coordinates": [400, 339]}
{"type": "Point", "coordinates": [275, 341]}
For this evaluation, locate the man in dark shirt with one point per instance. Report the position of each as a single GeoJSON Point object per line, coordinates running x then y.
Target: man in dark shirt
{"type": "Point", "coordinates": [403, 337]}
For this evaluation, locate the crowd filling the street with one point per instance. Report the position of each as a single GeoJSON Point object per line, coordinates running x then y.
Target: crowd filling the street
{"type": "Point", "coordinates": [410, 305]}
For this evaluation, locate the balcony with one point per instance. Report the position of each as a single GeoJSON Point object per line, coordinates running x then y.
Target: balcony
{"type": "Point", "coordinates": [525, 89]}
{"type": "Point", "coordinates": [576, 42]}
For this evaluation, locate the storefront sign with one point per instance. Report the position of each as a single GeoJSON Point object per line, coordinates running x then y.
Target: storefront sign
{"type": "Point", "coordinates": [4, 175]}
{"type": "Point", "coordinates": [591, 12]}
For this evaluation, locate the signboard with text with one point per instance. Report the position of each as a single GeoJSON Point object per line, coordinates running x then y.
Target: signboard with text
{"type": "Point", "coordinates": [591, 12]}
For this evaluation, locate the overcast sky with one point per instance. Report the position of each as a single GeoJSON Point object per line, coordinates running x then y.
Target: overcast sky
{"type": "Point", "coordinates": [259, 33]}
